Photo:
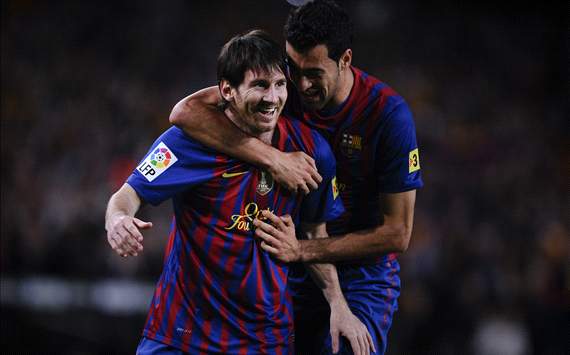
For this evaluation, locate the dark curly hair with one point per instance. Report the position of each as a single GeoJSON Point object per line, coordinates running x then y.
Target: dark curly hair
{"type": "Point", "coordinates": [250, 50]}
{"type": "Point", "coordinates": [319, 22]}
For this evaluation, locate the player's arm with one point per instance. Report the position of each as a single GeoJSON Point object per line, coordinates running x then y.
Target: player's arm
{"type": "Point", "coordinates": [122, 227]}
{"type": "Point", "coordinates": [199, 116]}
{"type": "Point", "coordinates": [342, 321]}
{"type": "Point", "coordinates": [393, 235]}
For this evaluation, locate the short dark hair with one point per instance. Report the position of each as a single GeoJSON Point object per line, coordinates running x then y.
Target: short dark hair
{"type": "Point", "coordinates": [254, 50]}
{"type": "Point", "coordinates": [319, 22]}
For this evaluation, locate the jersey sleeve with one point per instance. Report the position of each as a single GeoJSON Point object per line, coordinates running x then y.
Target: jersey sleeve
{"type": "Point", "coordinates": [173, 164]}
{"type": "Point", "coordinates": [323, 204]}
{"type": "Point", "coordinates": [397, 162]}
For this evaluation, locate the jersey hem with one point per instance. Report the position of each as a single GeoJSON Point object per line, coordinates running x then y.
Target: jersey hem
{"type": "Point", "coordinates": [403, 189]}
{"type": "Point", "coordinates": [181, 346]}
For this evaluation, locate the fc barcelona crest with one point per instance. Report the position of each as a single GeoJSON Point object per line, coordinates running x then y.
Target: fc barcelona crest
{"type": "Point", "coordinates": [265, 184]}
{"type": "Point", "coordinates": [350, 144]}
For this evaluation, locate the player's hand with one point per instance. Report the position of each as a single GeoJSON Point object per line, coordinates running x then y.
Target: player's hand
{"type": "Point", "coordinates": [124, 236]}
{"type": "Point", "coordinates": [278, 237]}
{"type": "Point", "coordinates": [344, 323]}
{"type": "Point", "coordinates": [296, 171]}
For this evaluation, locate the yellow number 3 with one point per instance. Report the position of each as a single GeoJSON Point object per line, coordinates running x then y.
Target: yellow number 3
{"type": "Point", "coordinates": [414, 161]}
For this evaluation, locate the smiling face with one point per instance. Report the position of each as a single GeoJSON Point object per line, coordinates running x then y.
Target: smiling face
{"type": "Point", "coordinates": [255, 105]}
{"type": "Point", "coordinates": [315, 75]}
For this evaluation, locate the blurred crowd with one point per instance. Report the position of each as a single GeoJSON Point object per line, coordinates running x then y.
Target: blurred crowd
{"type": "Point", "coordinates": [87, 86]}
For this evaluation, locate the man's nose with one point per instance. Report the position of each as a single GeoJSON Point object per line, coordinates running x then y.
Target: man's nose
{"type": "Point", "coordinates": [271, 95]}
{"type": "Point", "coordinates": [304, 83]}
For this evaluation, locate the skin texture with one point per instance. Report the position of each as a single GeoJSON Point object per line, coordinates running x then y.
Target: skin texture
{"type": "Point", "coordinates": [322, 83]}
{"type": "Point", "coordinates": [123, 229]}
{"type": "Point", "coordinates": [255, 105]}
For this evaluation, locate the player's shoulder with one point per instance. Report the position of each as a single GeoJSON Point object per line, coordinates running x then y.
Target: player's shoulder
{"type": "Point", "coordinates": [292, 122]}
{"type": "Point", "coordinates": [370, 87]}
{"type": "Point", "coordinates": [300, 135]}
{"type": "Point", "coordinates": [175, 134]}
{"type": "Point", "coordinates": [379, 98]}
{"type": "Point", "coordinates": [176, 139]}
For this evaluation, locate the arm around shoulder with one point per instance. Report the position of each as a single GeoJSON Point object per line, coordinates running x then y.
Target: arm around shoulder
{"type": "Point", "coordinates": [199, 117]}
{"type": "Point", "coordinates": [188, 110]}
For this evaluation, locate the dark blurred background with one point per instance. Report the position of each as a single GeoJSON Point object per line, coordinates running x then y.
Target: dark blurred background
{"type": "Point", "coordinates": [87, 86]}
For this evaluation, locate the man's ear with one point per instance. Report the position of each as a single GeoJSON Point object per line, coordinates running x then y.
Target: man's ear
{"type": "Point", "coordinates": [345, 59]}
{"type": "Point", "coordinates": [226, 90]}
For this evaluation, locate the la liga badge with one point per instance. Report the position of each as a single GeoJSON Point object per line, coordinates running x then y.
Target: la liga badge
{"type": "Point", "coordinates": [157, 162]}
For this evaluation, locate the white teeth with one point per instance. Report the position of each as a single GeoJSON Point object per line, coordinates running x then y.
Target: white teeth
{"type": "Point", "coordinates": [268, 112]}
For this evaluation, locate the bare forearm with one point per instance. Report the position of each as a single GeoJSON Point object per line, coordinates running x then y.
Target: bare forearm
{"type": "Point", "coordinates": [362, 244]}
{"type": "Point", "coordinates": [123, 202]}
{"type": "Point", "coordinates": [393, 236]}
{"type": "Point", "coordinates": [324, 275]}
{"type": "Point", "coordinates": [123, 229]}
{"type": "Point", "coordinates": [326, 278]}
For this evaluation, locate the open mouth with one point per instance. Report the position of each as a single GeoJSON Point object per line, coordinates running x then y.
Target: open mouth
{"type": "Point", "coordinates": [268, 112]}
{"type": "Point", "coordinates": [313, 96]}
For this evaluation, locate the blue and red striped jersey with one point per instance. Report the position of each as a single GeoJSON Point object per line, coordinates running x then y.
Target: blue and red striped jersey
{"type": "Point", "coordinates": [219, 292]}
{"type": "Point", "coordinates": [373, 137]}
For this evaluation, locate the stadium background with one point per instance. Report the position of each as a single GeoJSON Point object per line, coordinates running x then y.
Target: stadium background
{"type": "Point", "coordinates": [86, 86]}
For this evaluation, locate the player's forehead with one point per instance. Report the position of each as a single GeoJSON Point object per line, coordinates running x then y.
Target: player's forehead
{"type": "Point", "coordinates": [316, 57]}
{"type": "Point", "coordinates": [271, 74]}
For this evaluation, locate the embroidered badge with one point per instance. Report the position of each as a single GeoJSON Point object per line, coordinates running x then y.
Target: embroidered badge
{"type": "Point", "coordinates": [157, 162]}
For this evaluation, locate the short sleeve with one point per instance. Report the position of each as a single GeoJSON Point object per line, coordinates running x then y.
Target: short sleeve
{"type": "Point", "coordinates": [323, 204]}
{"type": "Point", "coordinates": [397, 162]}
{"type": "Point", "coordinates": [173, 164]}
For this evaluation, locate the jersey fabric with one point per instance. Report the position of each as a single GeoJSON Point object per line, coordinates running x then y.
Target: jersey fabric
{"type": "Point", "coordinates": [373, 138]}
{"type": "Point", "coordinates": [219, 292]}
{"type": "Point", "coordinates": [151, 347]}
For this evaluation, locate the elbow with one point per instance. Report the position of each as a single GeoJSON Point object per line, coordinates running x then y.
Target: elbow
{"type": "Point", "coordinates": [178, 113]}
{"type": "Point", "coordinates": [401, 238]}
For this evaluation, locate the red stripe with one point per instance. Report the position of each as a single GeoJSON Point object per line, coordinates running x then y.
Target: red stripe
{"type": "Point", "coordinates": [259, 293]}
{"type": "Point", "coordinates": [390, 296]}
{"type": "Point", "coordinates": [158, 311]}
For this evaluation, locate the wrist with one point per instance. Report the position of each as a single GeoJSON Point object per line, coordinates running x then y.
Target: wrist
{"type": "Point", "coordinates": [337, 302]}
{"type": "Point", "coordinates": [112, 218]}
{"type": "Point", "coordinates": [269, 158]}
{"type": "Point", "coordinates": [301, 257]}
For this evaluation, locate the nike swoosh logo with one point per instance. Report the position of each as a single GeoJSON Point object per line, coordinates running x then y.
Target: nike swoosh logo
{"type": "Point", "coordinates": [230, 175]}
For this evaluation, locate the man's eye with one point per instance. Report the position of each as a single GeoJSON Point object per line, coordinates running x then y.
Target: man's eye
{"type": "Point", "coordinates": [313, 75]}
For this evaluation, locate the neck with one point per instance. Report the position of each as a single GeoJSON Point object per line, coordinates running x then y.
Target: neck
{"type": "Point", "coordinates": [233, 116]}
{"type": "Point", "coordinates": [345, 83]}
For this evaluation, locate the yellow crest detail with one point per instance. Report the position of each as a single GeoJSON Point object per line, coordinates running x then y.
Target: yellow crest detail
{"type": "Point", "coordinates": [334, 188]}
